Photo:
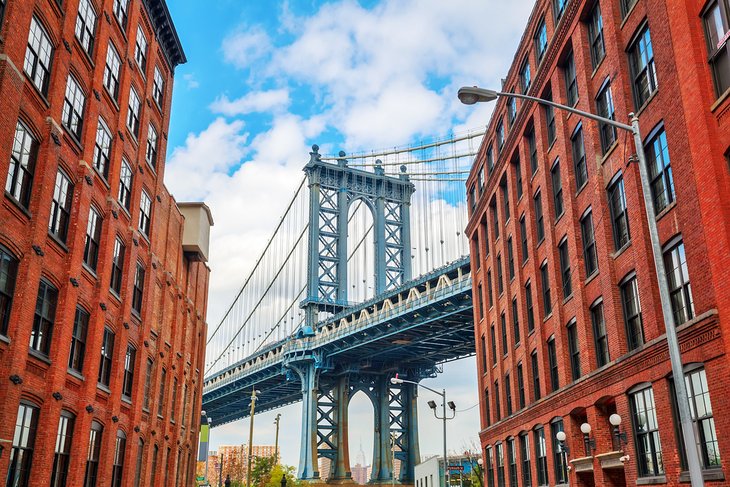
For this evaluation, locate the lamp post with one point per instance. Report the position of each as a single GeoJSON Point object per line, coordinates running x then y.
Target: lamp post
{"type": "Point", "coordinates": [276, 441]}
{"type": "Point", "coordinates": [471, 95]}
{"type": "Point", "coordinates": [564, 451]}
{"type": "Point", "coordinates": [207, 453]}
{"type": "Point", "coordinates": [254, 396]}
{"type": "Point", "coordinates": [432, 405]}
{"type": "Point", "coordinates": [588, 442]}
{"type": "Point", "coordinates": [480, 462]}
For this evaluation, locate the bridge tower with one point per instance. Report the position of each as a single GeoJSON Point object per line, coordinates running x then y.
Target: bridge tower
{"type": "Point", "coordinates": [326, 392]}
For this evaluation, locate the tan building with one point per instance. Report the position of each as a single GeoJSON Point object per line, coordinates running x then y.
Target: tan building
{"type": "Point", "coordinates": [235, 459]}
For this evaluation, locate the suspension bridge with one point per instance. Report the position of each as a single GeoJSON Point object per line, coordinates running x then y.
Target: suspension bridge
{"type": "Point", "coordinates": [365, 275]}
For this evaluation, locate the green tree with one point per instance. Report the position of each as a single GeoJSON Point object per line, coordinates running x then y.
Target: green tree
{"type": "Point", "coordinates": [280, 471]}
{"type": "Point", "coordinates": [261, 471]}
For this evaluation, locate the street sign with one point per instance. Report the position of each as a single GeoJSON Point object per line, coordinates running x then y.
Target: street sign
{"type": "Point", "coordinates": [456, 468]}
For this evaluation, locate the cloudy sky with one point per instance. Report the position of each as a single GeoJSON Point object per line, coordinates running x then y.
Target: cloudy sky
{"type": "Point", "coordinates": [267, 79]}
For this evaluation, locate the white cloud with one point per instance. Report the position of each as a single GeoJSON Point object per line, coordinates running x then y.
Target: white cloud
{"type": "Point", "coordinates": [255, 101]}
{"type": "Point", "coordinates": [246, 46]}
{"type": "Point", "coordinates": [190, 80]}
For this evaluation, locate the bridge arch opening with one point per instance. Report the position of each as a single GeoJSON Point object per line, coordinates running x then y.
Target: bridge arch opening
{"type": "Point", "coordinates": [360, 251]}
{"type": "Point", "coordinates": [361, 417]}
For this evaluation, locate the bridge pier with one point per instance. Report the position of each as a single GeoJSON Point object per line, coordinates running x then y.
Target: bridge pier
{"type": "Point", "coordinates": [308, 466]}
{"type": "Point", "coordinates": [332, 433]}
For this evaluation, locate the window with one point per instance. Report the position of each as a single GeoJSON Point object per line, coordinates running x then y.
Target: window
{"type": "Point", "coordinates": [511, 111]}
{"type": "Point", "coordinates": [493, 336]}
{"type": "Point", "coordinates": [92, 458]}
{"type": "Point", "coordinates": [550, 120]}
{"type": "Point", "coordinates": [495, 219]}
{"type": "Point", "coordinates": [646, 433]}
{"type": "Point", "coordinates": [508, 393]}
{"type": "Point", "coordinates": [500, 279]}
{"type": "Point", "coordinates": [532, 147]}
{"type": "Point", "coordinates": [539, 223]}
{"type": "Point", "coordinates": [129, 360]}
{"type": "Point", "coordinates": [565, 268]}
{"type": "Point", "coordinates": [500, 135]}
{"type": "Point", "coordinates": [125, 184]}
{"type": "Point", "coordinates": [92, 239]}
{"type": "Point", "coordinates": [541, 41]}
{"type": "Point", "coordinates": [515, 322]}
{"type": "Point", "coordinates": [102, 148]}
{"type": "Point", "coordinates": [86, 25]}
{"type": "Point", "coordinates": [523, 236]}
{"type": "Point", "coordinates": [78, 340]}
{"type": "Point", "coordinates": [73, 107]}
{"type": "Point", "coordinates": [487, 409]}
{"type": "Point", "coordinates": [147, 384]}
{"type": "Point", "coordinates": [480, 302]}
{"type": "Point", "coordinates": [489, 288]}
{"type": "Point", "coordinates": [2, 9]}
{"type": "Point", "coordinates": [45, 312]}
{"type": "Point", "coordinates": [559, 9]}
{"type": "Point", "coordinates": [518, 178]}
{"type": "Point", "coordinates": [626, 6]}
{"type": "Point", "coordinates": [22, 165]}
{"type": "Point", "coordinates": [484, 354]}
{"type": "Point", "coordinates": [63, 193]}
{"type": "Point", "coordinates": [595, 35]}
{"type": "Point", "coordinates": [553, 364]}
{"type": "Point", "coordinates": [490, 467]}
{"type": "Point", "coordinates": [153, 470]}
{"type": "Point", "coordinates": [145, 213]}
{"type": "Point", "coordinates": [702, 418]}
{"type": "Point", "coordinates": [161, 399]}
{"type": "Point", "coordinates": [138, 291]}
{"type": "Point", "coordinates": [643, 71]}
{"type": "Point", "coordinates": [604, 106]}
{"type": "Point", "coordinates": [520, 386]}
{"type": "Point", "coordinates": [117, 266]}
{"type": "Point", "coordinates": [632, 313]}
{"type": "Point", "coordinates": [559, 456]}
{"type": "Point", "coordinates": [21, 454]}
{"type": "Point", "coordinates": [530, 310]}
{"type": "Point", "coordinates": [525, 455]}
{"type": "Point", "coordinates": [138, 465]}
{"type": "Point", "coordinates": [62, 452]}
{"type": "Point", "coordinates": [557, 184]}
{"type": "Point", "coordinates": [118, 465]}
{"type": "Point", "coordinates": [512, 459]}
{"type": "Point", "coordinates": [660, 171]}
{"type": "Point", "coordinates": [476, 251]}
{"type": "Point", "coordinates": [107, 355]}
{"type": "Point", "coordinates": [716, 18]}
{"type": "Point", "coordinates": [133, 113]}
{"type": "Point", "coordinates": [505, 199]}
{"type": "Point", "coordinates": [579, 157]}
{"type": "Point", "coordinates": [185, 401]}
{"type": "Point", "coordinates": [541, 456]}
{"type": "Point", "coordinates": [490, 160]}
{"type": "Point", "coordinates": [140, 49]}
{"type": "Point", "coordinates": [173, 407]}
{"type": "Point", "coordinates": [500, 464]}
{"type": "Point", "coordinates": [535, 374]}
{"type": "Point", "coordinates": [503, 324]}
{"type": "Point", "coordinates": [151, 155]}
{"type": "Point", "coordinates": [525, 77]}
{"type": "Point", "coordinates": [600, 336]}
{"type": "Point", "coordinates": [158, 87]}
{"type": "Point", "coordinates": [481, 181]}
{"type": "Point", "coordinates": [111, 71]}
{"type": "Point", "coordinates": [37, 64]}
{"type": "Point", "coordinates": [590, 257]}
{"type": "Point", "coordinates": [571, 80]}
{"type": "Point", "coordinates": [497, 405]}
{"type": "Point", "coordinates": [574, 349]}
{"type": "Point", "coordinates": [8, 272]}
{"type": "Point", "coordinates": [547, 302]}
{"type": "Point", "coordinates": [619, 213]}
{"type": "Point", "coordinates": [680, 290]}
{"type": "Point", "coordinates": [120, 12]}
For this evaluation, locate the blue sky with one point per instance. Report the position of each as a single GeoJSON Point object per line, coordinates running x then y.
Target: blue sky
{"type": "Point", "coordinates": [267, 79]}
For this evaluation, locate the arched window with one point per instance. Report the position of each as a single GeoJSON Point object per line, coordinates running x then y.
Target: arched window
{"type": "Point", "coordinates": [21, 455]}
{"type": "Point", "coordinates": [63, 448]}
{"type": "Point", "coordinates": [118, 466]}
{"type": "Point", "coordinates": [8, 272]}
{"type": "Point", "coordinates": [92, 458]}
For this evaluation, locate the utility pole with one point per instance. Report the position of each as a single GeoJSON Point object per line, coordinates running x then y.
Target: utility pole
{"type": "Point", "coordinates": [276, 442]}
{"type": "Point", "coordinates": [250, 435]}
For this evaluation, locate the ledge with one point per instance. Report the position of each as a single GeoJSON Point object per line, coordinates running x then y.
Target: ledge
{"type": "Point", "coordinates": [659, 479]}
{"type": "Point", "coordinates": [710, 475]}
{"type": "Point", "coordinates": [611, 460]}
{"type": "Point", "coordinates": [584, 464]}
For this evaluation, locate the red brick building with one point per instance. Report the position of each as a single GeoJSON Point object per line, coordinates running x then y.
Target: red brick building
{"type": "Point", "coordinates": [568, 320]}
{"type": "Point", "coordinates": [103, 281]}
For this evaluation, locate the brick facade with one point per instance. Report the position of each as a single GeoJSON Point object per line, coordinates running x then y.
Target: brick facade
{"type": "Point", "coordinates": [695, 120]}
{"type": "Point", "coordinates": [169, 329]}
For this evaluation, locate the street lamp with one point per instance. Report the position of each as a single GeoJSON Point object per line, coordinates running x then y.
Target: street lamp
{"type": "Point", "coordinates": [207, 453]}
{"type": "Point", "coordinates": [588, 442]}
{"type": "Point", "coordinates": [254, 396]}
{"type": "Point", "coordinates": [471, 95]}
{"type": "Point", "coordinates": [276, 442]}
{"type": "Point", "coordinates": [432, 405]}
